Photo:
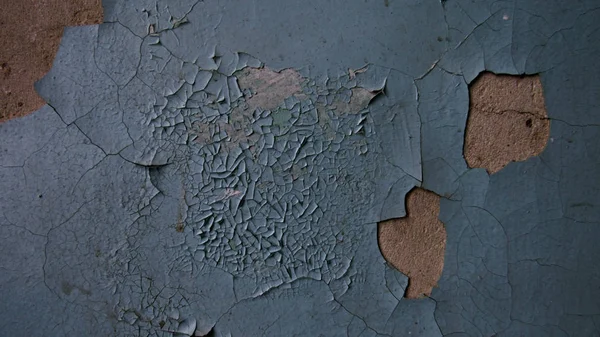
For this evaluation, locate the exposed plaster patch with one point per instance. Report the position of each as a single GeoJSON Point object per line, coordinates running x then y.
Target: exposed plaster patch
{"type": "Point", "coordinates": [507, 121]}
{"type": "Point", "coordinates": [31, 31]}
{"type": "Point", "coordinates": [266, 88]}
{"type": "Point", "coordinates": [415, 244]}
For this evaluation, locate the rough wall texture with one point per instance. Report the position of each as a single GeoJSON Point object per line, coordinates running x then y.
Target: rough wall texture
{"type": "Point", "coordinates": [30, 31]}
{"type": "Point", "coordinates": [152, 197]}
{"type": "Point", "coordinates": [416, 244]}
{"type": "Point", "coordinates": [507, 121]}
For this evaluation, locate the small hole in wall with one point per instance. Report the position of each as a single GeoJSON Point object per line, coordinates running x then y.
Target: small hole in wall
{"type": "Point", "coordinates": [415, 244]}
{"type": "Point", "coordinates": [507, 120]}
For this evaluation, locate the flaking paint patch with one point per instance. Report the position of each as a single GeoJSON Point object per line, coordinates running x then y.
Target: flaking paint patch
{"type": "Point", "coordinates": [507, 121]}
{"type": "Point", "coordinates": [316, 227]}
{"type": "Point", "coordinates": [359, 100]}
{"type": "Point", "coordinates": [231, 132]}
{"type": "Point", "coordinates": [415, 244]}
{"type": "Point", "coordinates": [345, 102]}
{"type": "Point", "coordinates": [266, 89]}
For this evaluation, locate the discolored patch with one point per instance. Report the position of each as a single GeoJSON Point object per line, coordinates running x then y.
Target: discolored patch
{"type": "Point", "coordinates": [507, 121]}
{"type": "Point", "coordinates": [359, 100]}
{"type": "Point", "coordinates": [415, 244]}
{"type": "Point", "coordinates": [30, 31]}
{"type": "Point", "coordinates": [229, 134]}
{"type": "Point", "coordinates": [353, 102]}
{"type": "Point", "coordinates": [67, 288]}
{"type": "Point", "coordinates": [262, 88]}
{"type": "Point", "coordinates": [266, 89]}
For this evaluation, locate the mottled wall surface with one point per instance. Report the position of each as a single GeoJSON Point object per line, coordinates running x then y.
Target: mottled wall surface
{"type": "Point", "coordinates": [210, 165]}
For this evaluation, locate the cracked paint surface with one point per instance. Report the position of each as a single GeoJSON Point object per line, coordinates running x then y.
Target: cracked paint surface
{"type": "Point", "coordinates": [156, 194]}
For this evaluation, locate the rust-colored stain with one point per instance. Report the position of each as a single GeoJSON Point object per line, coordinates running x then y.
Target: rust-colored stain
{"type": "Point", "coordinates": [507, 121]}
{"type": "Point", "coordinates": [30, 31]}
{"type": "Point", "coordinates": [415, 244]}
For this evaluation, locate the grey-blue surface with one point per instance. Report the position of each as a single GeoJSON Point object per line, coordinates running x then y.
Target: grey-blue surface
{"type": "Point", "coordinates": [127, 208]}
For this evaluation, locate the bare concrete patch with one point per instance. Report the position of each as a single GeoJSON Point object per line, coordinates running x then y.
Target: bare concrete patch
{"type": "Point", "coordinates": [415, 244]}
{"type": "Point", "coordinates": [507, 121]}
{"type": "Point", "coordinates": [30, 31]}
{"type": "Point", "coordinates": [269, 88]}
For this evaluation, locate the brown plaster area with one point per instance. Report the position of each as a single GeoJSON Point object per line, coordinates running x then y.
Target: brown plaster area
{"type": "Point", "coordinates": [30, 31]}
{"type": "Point", "coordinates": [415, 244]}
{"type": "Point", "coordinates": [507, 121]}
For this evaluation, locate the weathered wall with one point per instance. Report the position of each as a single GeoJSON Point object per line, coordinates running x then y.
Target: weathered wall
{"type": "Point", "coordinates": [156, 192]}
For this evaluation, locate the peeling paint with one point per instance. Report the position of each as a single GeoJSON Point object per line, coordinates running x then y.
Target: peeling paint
{"type": "Point", "coordinates": [266, 89]}
{"type": "Point", "coordinates": [279, 202]}
{"type": "Point", "coordinates": [359, 99]}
